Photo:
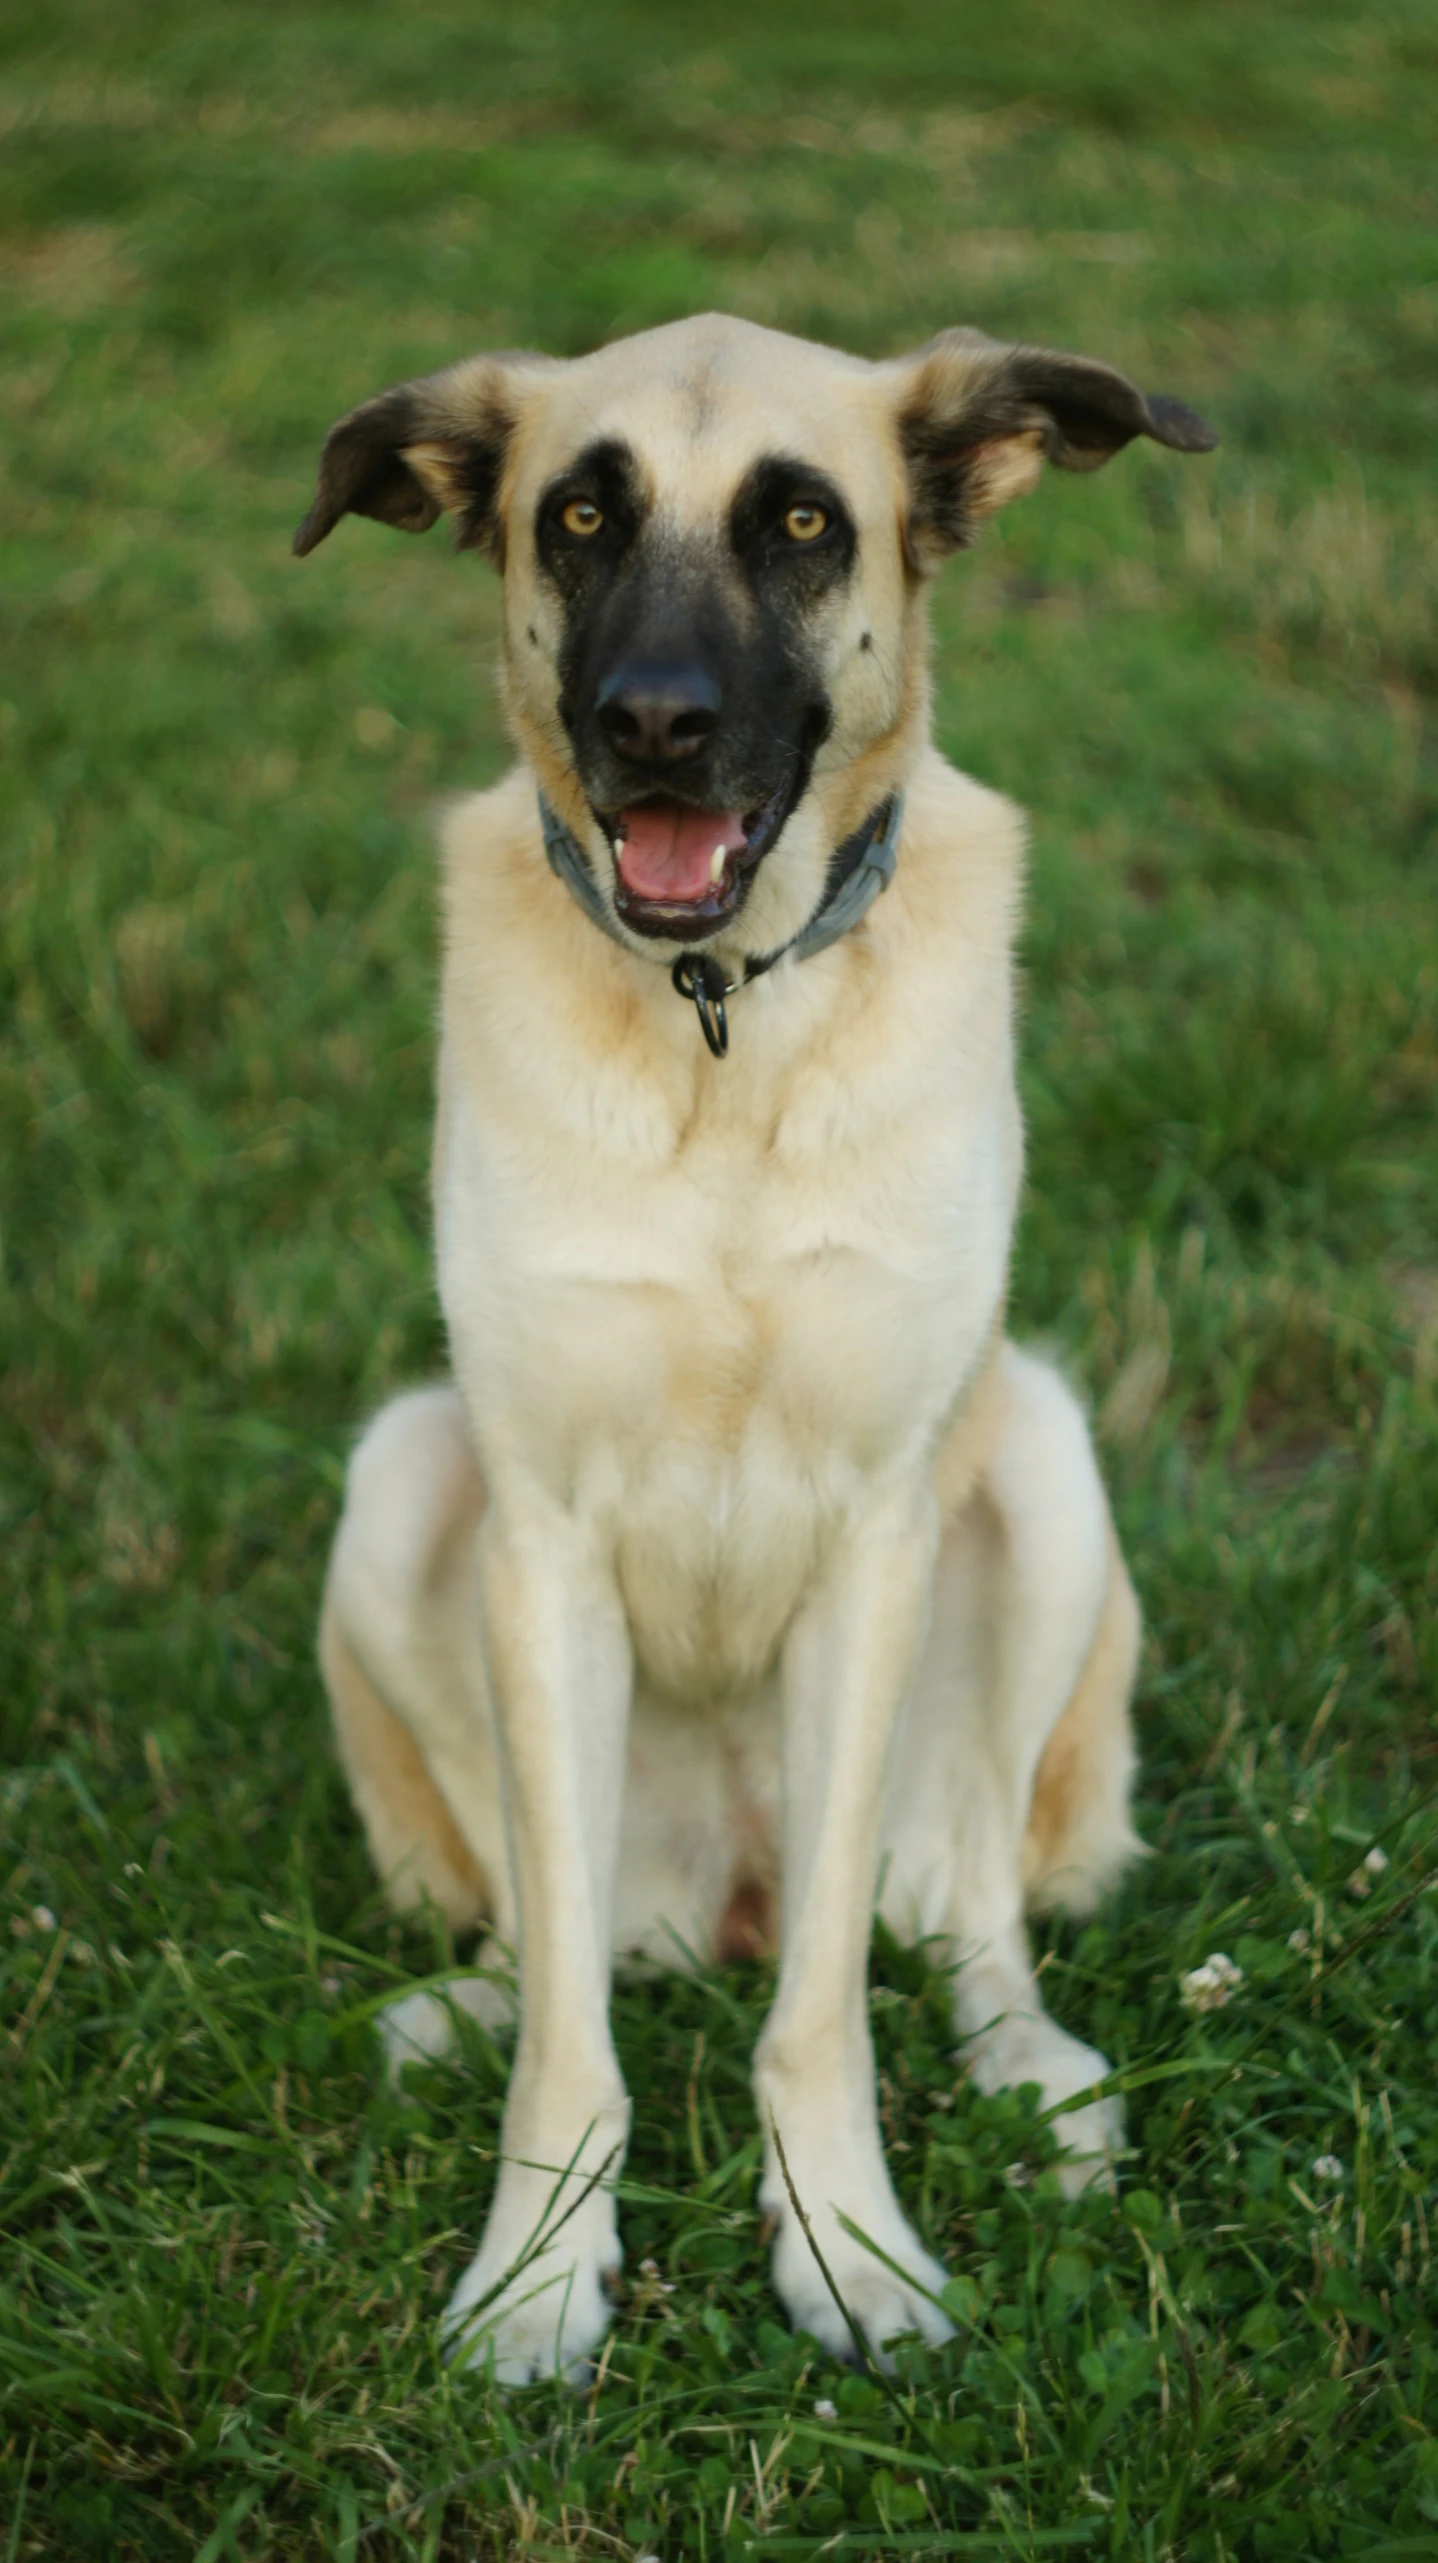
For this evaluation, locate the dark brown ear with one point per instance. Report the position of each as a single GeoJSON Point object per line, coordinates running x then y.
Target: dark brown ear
{"type": "Point", "coordinates": [423, 449]}
{"type": "Point", "coordinates": [978, 421]}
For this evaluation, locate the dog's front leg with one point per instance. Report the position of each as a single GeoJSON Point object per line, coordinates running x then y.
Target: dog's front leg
{"type": "Point", "coordinates": [560, 1666]}
{"type": "Point", "coordinates": [846, 1665]}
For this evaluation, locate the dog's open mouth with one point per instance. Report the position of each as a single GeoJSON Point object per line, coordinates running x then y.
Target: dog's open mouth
{"type": "Point", "coordinates": [683, 872]}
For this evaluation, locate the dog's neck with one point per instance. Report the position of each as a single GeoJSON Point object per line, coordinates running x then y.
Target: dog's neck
{"type": "Point", "coordinates": [859, 869]}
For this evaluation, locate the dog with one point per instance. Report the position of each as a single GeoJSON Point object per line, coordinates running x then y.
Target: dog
{"type": "Point", "coordinates": [746, 1573]}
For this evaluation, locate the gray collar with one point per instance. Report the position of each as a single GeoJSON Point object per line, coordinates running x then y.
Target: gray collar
{"type": "Point", "coordinates": [858, 870]}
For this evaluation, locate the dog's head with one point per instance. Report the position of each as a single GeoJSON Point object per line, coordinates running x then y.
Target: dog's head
{"type": "Point", "coordinates": [713, 540]}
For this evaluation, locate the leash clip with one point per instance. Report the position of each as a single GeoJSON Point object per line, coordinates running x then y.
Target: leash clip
{"type": "Point", "coordinates": [696, 975]}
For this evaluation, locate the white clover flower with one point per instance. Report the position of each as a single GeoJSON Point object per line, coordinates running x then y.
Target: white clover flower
{"type": "Point", "coordinates": [1298, 1939]}
{"type": "Point", "coordinates": [1372, 1866]}
{"type": "Point", "coordinates": [1327, 2167]}
{"type": "Point", "coordinates": [42, 1917]}
{"type": "Point", "coordinates": [1208, 1987]}
{"type": "Point", "coordinates": [1018, 2175]}
{"type": "Point", "coordinates": [824, 2410]}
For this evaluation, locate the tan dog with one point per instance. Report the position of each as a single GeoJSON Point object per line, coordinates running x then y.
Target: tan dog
{"type": "Point", "coordinates": [747, 1571]}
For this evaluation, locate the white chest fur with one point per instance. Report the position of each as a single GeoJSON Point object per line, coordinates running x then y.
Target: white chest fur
{"type": "Point", "coordinates": [713, 1309]}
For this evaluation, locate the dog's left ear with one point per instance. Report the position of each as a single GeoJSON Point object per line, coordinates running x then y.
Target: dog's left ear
{"type": "Point", "coordinates": [978, 421]}
{"type": "Point", "coordinates": [427, 448]}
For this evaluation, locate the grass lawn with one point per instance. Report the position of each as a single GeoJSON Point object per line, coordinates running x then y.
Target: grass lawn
{"type": "Point", "coordinates": [225, 2248]}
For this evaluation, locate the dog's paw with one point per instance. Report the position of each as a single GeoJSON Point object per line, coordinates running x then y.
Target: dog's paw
{"type": "Point", "coordinates": [882, 2301]}
{"type": "Point", "coordinates": [1022, 2049]}
{"type": "Point", "coordinates": [420, 2027]}
{"type": "Point", "coordinates": [546, 2320]}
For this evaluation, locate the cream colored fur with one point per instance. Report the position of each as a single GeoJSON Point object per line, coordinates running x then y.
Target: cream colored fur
{"type": "Point", "coordinates": [744, 1553]}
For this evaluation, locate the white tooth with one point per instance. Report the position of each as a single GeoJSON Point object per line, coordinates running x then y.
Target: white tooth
{"type": "Point", "coordinates": [716, 864]}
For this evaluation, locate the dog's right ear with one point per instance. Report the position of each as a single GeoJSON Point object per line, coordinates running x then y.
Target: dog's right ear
{"type": "Point", "coordinates": [426, 449]}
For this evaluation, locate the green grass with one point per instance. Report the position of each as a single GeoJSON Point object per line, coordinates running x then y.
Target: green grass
{"type": "Point", "coordinates": [225, 2248]}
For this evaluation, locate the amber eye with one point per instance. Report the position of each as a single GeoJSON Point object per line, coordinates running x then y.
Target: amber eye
{"type": "Point", "coordinates": [582, 517]}
{"type": "Point", "coordinates": [805, 524]}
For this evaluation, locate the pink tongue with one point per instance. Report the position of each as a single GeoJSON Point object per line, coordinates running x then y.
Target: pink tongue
{"type": "Point", "coordinates": [668, 853]}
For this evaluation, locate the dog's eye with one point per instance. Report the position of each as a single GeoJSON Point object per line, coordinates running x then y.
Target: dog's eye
{"type": "Point", "coordinates": [805, 524]}
{"type": "Point", "coordinates": [582, 517]}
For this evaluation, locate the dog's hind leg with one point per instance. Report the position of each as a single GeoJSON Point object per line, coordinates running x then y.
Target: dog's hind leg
{"type": "Point", "coordinates": [1013, 1777]}
{"type": "Point", "coordinates": [400, 1651]}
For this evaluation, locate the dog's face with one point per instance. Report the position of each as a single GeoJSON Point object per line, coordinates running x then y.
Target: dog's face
{"type": "Point", "coordinates": [714, 540]}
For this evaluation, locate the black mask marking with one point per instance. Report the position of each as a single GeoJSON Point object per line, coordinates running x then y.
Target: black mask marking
{"type": "Point", "coordinates": [688, 669]}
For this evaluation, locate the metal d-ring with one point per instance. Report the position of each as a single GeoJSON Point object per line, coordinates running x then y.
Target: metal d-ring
{"type": "Point", "coordinates": [695, 975]}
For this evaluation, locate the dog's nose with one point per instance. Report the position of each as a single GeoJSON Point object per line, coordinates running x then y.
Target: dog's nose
{"type": "Point", "coordinates": [655, 715]}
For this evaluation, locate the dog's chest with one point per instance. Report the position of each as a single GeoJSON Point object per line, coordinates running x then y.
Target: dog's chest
{"type": "Point", "coordinates": [713, 1356]}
